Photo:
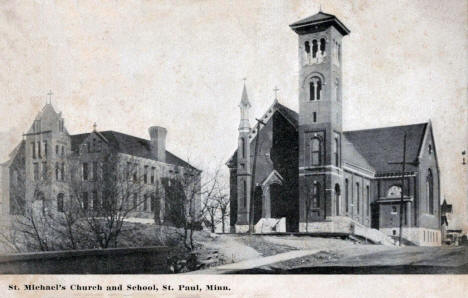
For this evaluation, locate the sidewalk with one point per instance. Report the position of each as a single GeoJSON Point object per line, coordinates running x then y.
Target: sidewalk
{"type": "Point", "coordinates": [257, 262]}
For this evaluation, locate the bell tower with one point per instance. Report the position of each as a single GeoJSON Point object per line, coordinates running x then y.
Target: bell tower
{"type": "Point", "coordinates": [320, 114]}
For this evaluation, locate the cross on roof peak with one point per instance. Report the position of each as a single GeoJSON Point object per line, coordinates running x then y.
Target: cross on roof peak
{"type": "Point", "coordinates": [276, 92]}
{"type": "Point", "coordinates": [50, 96]}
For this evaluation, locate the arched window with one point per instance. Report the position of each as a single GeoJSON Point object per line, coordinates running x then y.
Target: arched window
{"type": "Point", "coordinates": [347, 195]}
{"type": "Point", "coordinates": [307, 51]}
{"type": "Point", "coordinates": [60, 202]}
{"type": "Point", "coordinates": [337, 198]}
{"type": "Point", "coordinates": [315, 88]}
{"type": "Point", "coordinates": [430, 191]}
{"type": "Point", "coordinates": [315, 148]}
{"type": "Point", "coordinates": [314, 48]}
{"type": "Point", "coordinates": [322, 46]}
{"type": "Point", "coordinates": [316, 195]}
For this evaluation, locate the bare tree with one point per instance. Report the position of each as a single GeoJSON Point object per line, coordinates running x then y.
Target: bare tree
{"type": "Point", "coordinates": [105, 193]}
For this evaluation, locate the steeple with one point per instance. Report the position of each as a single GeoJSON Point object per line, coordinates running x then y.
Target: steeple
{"type": "Point", "coordinates": [244, 111]}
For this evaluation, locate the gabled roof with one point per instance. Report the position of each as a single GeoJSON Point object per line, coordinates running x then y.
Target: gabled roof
{"type": "Point", "coordinates": [320, 18]}
{"type": "Point", "coordinates": [290, 115]}
{"type": "Point", "coordinates": [128, 144]}
{"type": "Point", "coordinates": [382, 145]}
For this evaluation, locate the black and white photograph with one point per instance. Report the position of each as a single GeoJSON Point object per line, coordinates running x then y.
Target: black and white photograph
{"type": "Point", "coordinates": [156, 144]}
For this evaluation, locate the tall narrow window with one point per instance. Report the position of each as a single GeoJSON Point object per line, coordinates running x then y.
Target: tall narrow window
{"type": "Point", "coordinates": [245, 193]}
{"type": "Point", "coordinates": [33, 148]}
{"type": "Point", "coordinates": [243, 147]}
{"type": "Point", "coordinates": [95, 200]}
{"type": "Point", "coordinates": [358, 197]}
{"type": "Point", "coordinates": [95, 170]}
{"type": "Point", "coordinates": [60, 202]}
{"type": "Point", "coordinates": [36, 171]}
{"type": "Point", "coordinates": [56, 149]}
{"type": "Point", "coordinates": [57, 171]}
{"type": "Point", "coordinates": [315, 116]}
{"type": "Point", "coordinates": [152, 175]}
{"type": "Point", "coordinates": [337, 89]}
{"type": "Point", "coordinates": [311, 91]}
{"type": "Point", "coordinates": [347, 195]}
{"type": "Point", "coordinates": [367, 199]}
{"type": "Point", "coordinates": [39, 149]}
{"type": "Point", "coordinates": [45, 149]}
{"type": "Point", "coordinates": [63, 150]}
{"type": "Point", "coordinates": [336, 146]}
{"type": "Point", "coordinates": [85, 200]}
{"type": "Point", "coordinates": [135, 200]}
{"type": "Point", "coordinates": [135, 172]}
{"type": "Point", "coordinates": [85, 171]}
{"type": "Point", "coordinates": [430, 191]}
{"type": "Point", "coordinates": [322, 46]}
{"type": "Point", "coordinates": [315, 151]}
{"type": "Point", "coordinates": [145, 174]}
{"type": "Point", "coordinates": [62, 171]}
{"type": "Point", "coordinates": [44, 170]}
{"type": "Point", "coordinates": [145, 203]}
{"type": "Point", "coordinates": [316, 195]}
{"type": "Point", "coordinates": [337, 198]}
{"type": "Point", "coordinates": [307, 51]}
{"type": "Point", "coordinates": [314, 48]}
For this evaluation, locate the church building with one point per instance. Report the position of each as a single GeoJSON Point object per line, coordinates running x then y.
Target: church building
{"type": "Point", "coordinates": [311, 175]}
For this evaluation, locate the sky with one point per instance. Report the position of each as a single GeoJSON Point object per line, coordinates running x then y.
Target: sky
{"type": "Point", "coordinates": [129, 65]}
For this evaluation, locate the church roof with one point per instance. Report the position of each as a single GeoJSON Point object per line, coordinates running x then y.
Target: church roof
{"type": "Point", "coordinates": [130, 145]}
{"type": "Point", "coordinates": [370, 149]}
{"type": "Point", "coordinates": [320, 18]}
{"type": "Point", "coordinates": [381, 145]}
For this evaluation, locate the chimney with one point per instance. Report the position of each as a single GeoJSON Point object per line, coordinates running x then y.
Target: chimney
{"type": "Point", "coordinates": [158, 142]}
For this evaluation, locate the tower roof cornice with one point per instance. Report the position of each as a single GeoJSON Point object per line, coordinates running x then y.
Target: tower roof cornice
{"type": "Point", "coordinates": [322, 19]}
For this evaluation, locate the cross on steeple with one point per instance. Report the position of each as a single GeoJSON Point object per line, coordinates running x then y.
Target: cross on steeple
{"type": "Point", "coordinates": [276, 92]}
{"type": "Point", "coordinates": [50, 96]}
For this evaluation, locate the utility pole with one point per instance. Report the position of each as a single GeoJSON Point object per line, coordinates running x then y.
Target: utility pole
{"type": "Point", "coordinates": [403, 166]}
{"type": "Point", "coordinates": [252, 187]}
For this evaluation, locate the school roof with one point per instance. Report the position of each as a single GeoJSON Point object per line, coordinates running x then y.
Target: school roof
{"type": "Point", "coordinates": [128, 144]}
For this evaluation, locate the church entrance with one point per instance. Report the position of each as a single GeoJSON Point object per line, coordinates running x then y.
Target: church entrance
{"type": "Point", "coordinates": [282, 206]}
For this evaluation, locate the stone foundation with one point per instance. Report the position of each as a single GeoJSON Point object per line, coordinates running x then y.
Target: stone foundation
{"type": "Point", "coordinates": [417, 235]}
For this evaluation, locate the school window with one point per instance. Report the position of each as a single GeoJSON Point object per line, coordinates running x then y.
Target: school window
{"type": "Point", "coordinates": [56, 149]}
{"type": "Point", "coordinates": [145, 203]}
{"type": "Point", "coordinates": [85, 171]}
{"type": "Point", "coordinates": [145, 175]}
{"type": "Point", "coordinates": [62, 171]}
{"type": "Point", "coordinates": [135, 200]}
{"type": "Point", "coordinates": [33, 148]}
{"type": "Point", "coordinates": [95, 165]}
{"type": "Point", "coordinates": [152, 175]}
{"type": "Point", "coordinates": [95, 200]}
{"type": "Point", "coordinates": [63, 150]}
{"type": "Point", "coordinates": [60, 202]}
{"type": "Point", "coordinates": [45, 149]}
{"type": "Point", "coordinates": [316, 195]}
{"type": "Point", "coordinates": [44, 170]}
{"type": "Point", "coordinates": [57, 171]}
{"type": "Point", "coordinates": [85, 201]}
{"type": "Point", "coordinates": [36, 171]}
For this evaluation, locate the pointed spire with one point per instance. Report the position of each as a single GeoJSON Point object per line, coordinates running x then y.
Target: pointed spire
{"type": "Point", "coordinates": [244, 110]}
{"type": "Point", "coordinates": [245, 97]}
